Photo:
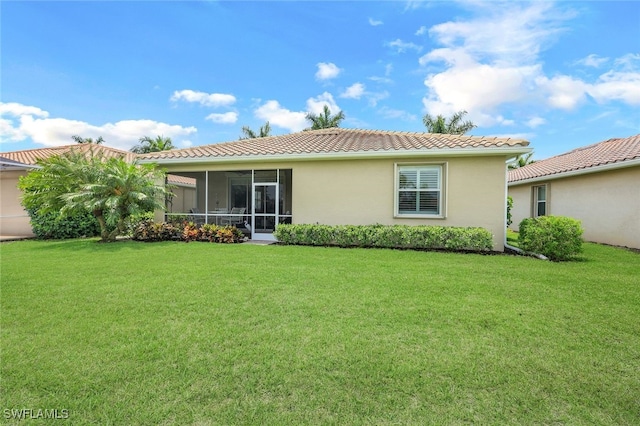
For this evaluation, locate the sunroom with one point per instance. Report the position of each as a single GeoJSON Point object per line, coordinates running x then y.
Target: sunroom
{"type": "Point", "coordinates": [254, 201]}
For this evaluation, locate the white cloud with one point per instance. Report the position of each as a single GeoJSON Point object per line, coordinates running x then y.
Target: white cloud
{"type": "Point", "coordinates": [355, 91]}
{"type": "Point", "coordinates": [20, 122]}
{"type": "Point", "coordinates": [224, 118]}
{"type": "Point", "coordinates": [403, 46]}
{"type": "Point", "coordinates": [327, 71]}
{"type": "Point", "coordinates": [534, 122]}
{"type": "Point", "coordinates": [618, 86]}
{"type": "Point", "coordinates": [473, 86]}
{"type": "Point", "coordinates": [421, 31]}
{"type": "Point", "coordinates": [316, 105]}
{"type": "Point", "coordinates": [375, 23]}
{"type": "Point", "coordinates": [273, 112]}
{"type": "Point", "coordinates": [295, 121]}
{"type": "Point", "coordinates": [396, 114]}
{"type": "Point", "coordinates": [497, 36]}
{"type": "Point", "coordinates": [493, 60]}
{"type": "Point", "coordinates": [206, 99]}
{"type": "Point", "coordinates": [16, 110]}
{"type": "Point", "coordinates": [563, 91]}
{"type": "Point", "coordinates": [592, 60]}
{"type": "Point", "coordinates": [628, 62]}
{"type": "Point", "coordinates": [374, 97]}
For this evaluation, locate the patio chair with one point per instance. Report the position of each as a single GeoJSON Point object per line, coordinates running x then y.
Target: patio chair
{"type": "Point", "coordinates": [235, 218]}
{"type": "Point", "coordinates": [195, 216]}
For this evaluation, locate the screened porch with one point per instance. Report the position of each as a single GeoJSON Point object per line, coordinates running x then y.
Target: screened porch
{"type": "Point", "coordinates": [254, 201]}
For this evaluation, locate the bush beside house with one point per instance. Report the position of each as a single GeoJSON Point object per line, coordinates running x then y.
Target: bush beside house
{"type": "Point", "coordinates": [394, 236]}
{"type": "Point", "coordinates": [557, 237]}
{"type": "Point", "coordinates": [150, 231]}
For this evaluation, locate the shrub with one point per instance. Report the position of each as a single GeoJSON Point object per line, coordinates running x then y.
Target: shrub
{"type": "Point", "coordinates": [186, 231]}
{"type": "Point", "coordinates": [393, 236]}
{"type": "Point", "coordinates": [557, 237]}
{"type": "Point", "coordinates": [52, 226]}
{"type": "Point", "coordinates": [148, 230]}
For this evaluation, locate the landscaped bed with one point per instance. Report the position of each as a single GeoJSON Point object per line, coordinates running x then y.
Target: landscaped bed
{"type": "Point", "coordinates": [173, 333]}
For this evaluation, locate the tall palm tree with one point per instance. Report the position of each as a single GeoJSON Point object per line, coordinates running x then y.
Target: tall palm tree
{"type": "Point", "coordinates": [79, 139]}
{"type": "Point", "coordinates": [147, 144]}
{"type": "Point", "coordinates": [324, 120]}
{"type": "Point", "coordinates": [454, 126]}
{"type": "Point", "coordinates": [521, 161]}
{"type": "Point", "coordinates": [262, 133]}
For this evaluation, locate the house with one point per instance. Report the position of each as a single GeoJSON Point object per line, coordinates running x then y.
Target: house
{"type": "Point", "coordinates": [598, 184]}
{"type": "Point", "coordinates": [14, 220]}
{"type": "Point", "coordinates": [348, 176]}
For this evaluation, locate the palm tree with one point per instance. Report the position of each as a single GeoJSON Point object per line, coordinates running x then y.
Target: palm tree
{"type": "Point", "coordinates": [521, 161]}
{"type": "Point", "coordinates": [120, 190]}
{"type": "Point", "coordinates": [324, 120]}
{"type": "Point", "coordinates": [262, 133]}
{"type": "Point", "coordinates": [454, 126]}
{"type": "Point", "coordinates": [147, 144]}
{"type": "Point", "coordinates": [79, 139]}
{"type": "Point", "coordinates": [112, 190]}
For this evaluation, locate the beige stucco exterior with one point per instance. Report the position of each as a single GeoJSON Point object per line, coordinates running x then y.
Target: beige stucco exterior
{"type": "Point", "coordinates": [362, 191]}
{"type": "Point", "coordinates": [14, 220]}
{"type": "Point", "coordinates": [606, 202]}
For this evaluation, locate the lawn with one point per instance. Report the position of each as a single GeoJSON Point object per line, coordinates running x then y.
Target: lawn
{"type": "Point", "coordinates": [174, 333]}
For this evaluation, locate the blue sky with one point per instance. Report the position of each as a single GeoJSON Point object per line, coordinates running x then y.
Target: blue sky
{"type": "Point", "coordinates": [559, 74]}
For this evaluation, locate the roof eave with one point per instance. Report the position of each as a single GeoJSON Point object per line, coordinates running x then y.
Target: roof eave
{"type": "Point", "coordinates": [570, 173]}
{"type": "Point", "coordinates": [453, 152]}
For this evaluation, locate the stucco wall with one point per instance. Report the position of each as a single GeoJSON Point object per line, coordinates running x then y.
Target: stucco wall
{"type": "Point", "coordinates": [14, 220]}
{"type": "Point", "coordinates": [607, 203]}
{"type": "Point", "coordinates": [362, 191]}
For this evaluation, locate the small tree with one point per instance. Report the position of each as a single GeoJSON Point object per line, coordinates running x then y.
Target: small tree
{"type": "Point", "coordinates": [112, 190]}
{"type": "Point", "coordinates": [454, 126]}
{"type": "Point", "coordinates": [324, 120]}
{"type": "Point", "coordinates": [250, 134]}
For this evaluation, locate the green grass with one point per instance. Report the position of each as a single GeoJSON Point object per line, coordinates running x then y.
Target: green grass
{"type": "Point", "coordinates": [174, 333]}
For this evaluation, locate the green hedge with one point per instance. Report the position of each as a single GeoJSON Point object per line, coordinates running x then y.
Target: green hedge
{"type": "Point", "coordinates": [393, 236]}
{"type": "Point", "coordinates": [76, 225]}
{"type": "Point", "coordinates": [557, 237]}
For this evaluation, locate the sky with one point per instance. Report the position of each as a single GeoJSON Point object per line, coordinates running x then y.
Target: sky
{"type": "Point", "coordinates": [559, 74]}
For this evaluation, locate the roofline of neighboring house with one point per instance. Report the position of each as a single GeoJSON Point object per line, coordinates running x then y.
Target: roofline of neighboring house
{"type": "Point", "coordinates": [455, 152]}
{"type": "Point", "coordinates": [570, 173]}
{"type": "Point", "coordinates": [16, 165]}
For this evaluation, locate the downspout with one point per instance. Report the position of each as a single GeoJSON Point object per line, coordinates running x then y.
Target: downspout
{"type": "Point", "coordinates": [506, 245]}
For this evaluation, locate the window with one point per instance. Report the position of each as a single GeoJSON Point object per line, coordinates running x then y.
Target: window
{"type": "Point", "coordinates": [539, 200]}
{"type": "Point", "coordinates": [419, 190]}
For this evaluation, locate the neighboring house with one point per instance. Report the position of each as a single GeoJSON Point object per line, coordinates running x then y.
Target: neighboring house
{"type": "Point", "coordinates": [348, 176]}
{"type": "Point", "coordinates": [598, 184]}
{"type": "Point", "coordinates": [15, 220]}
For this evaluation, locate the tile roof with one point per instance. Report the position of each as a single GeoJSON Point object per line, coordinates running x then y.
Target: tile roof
{"type": "Point", "coordinates": [180, 180]}
{"type": "Point", "coordinates": [335, 141]}
{"type": "Point", "coordinates": [612, 151]}
{"type": "Point", "coordinates": [30, 156]}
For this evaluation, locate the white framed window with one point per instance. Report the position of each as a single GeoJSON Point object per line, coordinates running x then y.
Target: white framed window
{"type": "Point", "coordinates": [419, 190]}
{"type": "Point", "coordinates": [540, 195]}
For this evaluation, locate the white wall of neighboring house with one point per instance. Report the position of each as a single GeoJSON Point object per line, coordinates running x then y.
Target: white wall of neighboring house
{"type": "Point", "coordinates": [607, 203]}
{"type": "Point", "coordinates": [14, 220]}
